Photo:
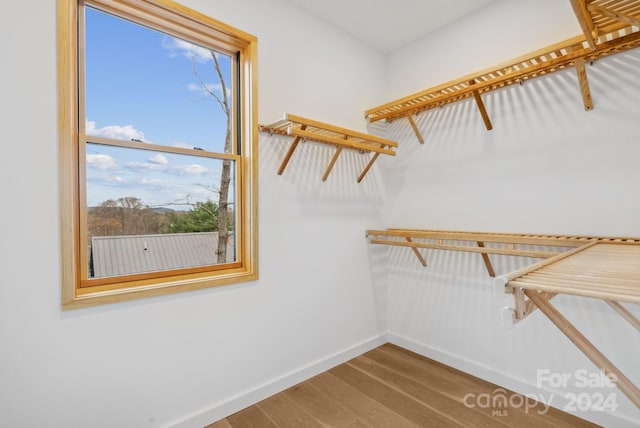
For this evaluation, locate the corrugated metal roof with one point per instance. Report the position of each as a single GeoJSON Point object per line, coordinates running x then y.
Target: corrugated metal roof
{"type": "Point", "coordinates": [123, 255]}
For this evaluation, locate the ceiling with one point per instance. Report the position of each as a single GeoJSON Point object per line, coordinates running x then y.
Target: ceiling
{"type": "Point", "coordinates": [386, 25]}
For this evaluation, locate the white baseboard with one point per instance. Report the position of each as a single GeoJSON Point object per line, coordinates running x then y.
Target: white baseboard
{"type": "Point", "coordinates": [245, 399]}
{"type": "Point", "coordinates": [505, 380]}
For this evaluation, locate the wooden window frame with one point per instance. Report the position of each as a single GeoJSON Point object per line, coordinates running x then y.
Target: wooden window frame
{"type": "Point", "coordinates": [177, 20]}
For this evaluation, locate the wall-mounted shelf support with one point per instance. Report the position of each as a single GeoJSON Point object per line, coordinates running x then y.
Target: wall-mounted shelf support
{"type": "Point", "coordinates": [481, 107]}
{"type": "Point", "coordinates": [292, 149]}
{"type": "Point", "coordinates": [307, 129]}
{"type": "Point", "coordinates": [415, 128]}
{"type": "Point", "coordinates": [487, 261]}
{"type": "Point", "coordinates": [584, 84]}
{"type": "Point", "coordinates": [332, 163]}
{"type": "Point", "coordinates": [417, 252]}
{"type": "Point", "coordinates": [624, 313]}
{"type": "Point", "coordinates": [609, 26]}
{"type": "Point", "coordinates": [588, 349]}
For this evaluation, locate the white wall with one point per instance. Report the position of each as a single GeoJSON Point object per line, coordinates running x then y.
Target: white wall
{"type": "Point", "coordinates": [190, 358]}
{"type": "Point", "coordinates": [503, 30]}
{"type": "Point", "coordinates": [547, 167]}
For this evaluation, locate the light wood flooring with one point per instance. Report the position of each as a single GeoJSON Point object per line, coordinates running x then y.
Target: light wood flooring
{"type": "Point", "coordinates": [392, 387]}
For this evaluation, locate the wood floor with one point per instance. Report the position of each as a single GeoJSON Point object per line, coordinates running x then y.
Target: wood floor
{"type": "Point", "coordinates": [392, 387]}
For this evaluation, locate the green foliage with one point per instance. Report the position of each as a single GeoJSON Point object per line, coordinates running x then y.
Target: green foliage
{"type": "Point", "coordinates": [130, 216]}
{"type": "Point", "coordinates": [203, 217]}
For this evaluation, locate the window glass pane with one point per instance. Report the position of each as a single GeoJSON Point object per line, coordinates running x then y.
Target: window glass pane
{"type": "Point", "coordinates": [141, 84]}
{"type": "Point", "coordinates": [150, 211]}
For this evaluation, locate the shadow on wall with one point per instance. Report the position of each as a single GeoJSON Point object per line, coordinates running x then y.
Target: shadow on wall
{"type": "Point", "coordinates": [340, 194]}
{"type": "Point", "coordinates": [545, 160]}
{"type": "Point", "coordinates": [524, 105]}
{"type": "Point", "coordinates": [378, 256]}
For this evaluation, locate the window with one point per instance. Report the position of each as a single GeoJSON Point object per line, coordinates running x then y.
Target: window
{"type": "Point", "coordinates": [157, 148]}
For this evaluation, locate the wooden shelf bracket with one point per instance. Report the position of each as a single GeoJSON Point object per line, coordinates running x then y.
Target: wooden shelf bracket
{"type": "Point", "coordinates": [622, 382]}
{"type": "Point", "coordinates": [417, 252]}
{"type": "Point", "coordinates": [624, 313]}
{"type": "Point", "coordinates": [487, 261]}
{"type": "Point", "coordinates": [307, 129]}
{"type": "Point", "coordinates": [481, 107]}
{"type": "Point", "coordinates": [584, 84]}
{"type": "Point", "coordinates": [415, 128]}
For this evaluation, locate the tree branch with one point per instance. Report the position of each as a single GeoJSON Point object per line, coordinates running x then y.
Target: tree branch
{"type": "Point", "coordinates": [222, 82]}
{"type": "Point", "coordinates": [223, 104]}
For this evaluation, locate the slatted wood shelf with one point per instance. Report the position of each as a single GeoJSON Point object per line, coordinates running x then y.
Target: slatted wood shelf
{"type": "Point", "coordinates": [597, 17]}
{"type": "Point", "coordinates": [303, 129]}
{"type": "Point", "coordinates": [613, 22]}
{"type": "Point", "coordinates": [602, 270]}
{"type": "Point", "coordinates": [510, 244]}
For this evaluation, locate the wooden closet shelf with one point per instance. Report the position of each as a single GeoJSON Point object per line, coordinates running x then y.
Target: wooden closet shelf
{"type": "Point", "coordinates": [307, 129]}
{"type": "Point", "coordinates": [601, 270]}
{"type": "Point", "coordinates": [611, 27]}
{"type": "Point", "coordinates": [508, 244]}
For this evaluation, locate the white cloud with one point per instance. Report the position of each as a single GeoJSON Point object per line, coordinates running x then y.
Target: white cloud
{"type": "Point", "coordinates": [108, 180]}
{"type": "Point", "coordinates": [193, 169]}
{"type": "Point", "coordinates": [159, 159]}
{"type": "Point", "coordinates": [101, 162]}
{"type": "Point", "coordinates": [154, 183]}
{"type": "Point", "coordinates": [189, 50]}
{"type": "Point", "coordinates": [145, 165]}
{"type": "Point", "coordinates": [117, 132]}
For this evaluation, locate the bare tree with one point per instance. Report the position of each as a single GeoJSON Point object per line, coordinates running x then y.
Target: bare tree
{"type": "Point", "coordinates": [225, 176]}
{"type": "Point", "coordinates": [124, 216]}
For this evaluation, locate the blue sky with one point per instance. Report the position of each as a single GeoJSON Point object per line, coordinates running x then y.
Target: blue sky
{"type": "Point", "coordinates": [140, 84]}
